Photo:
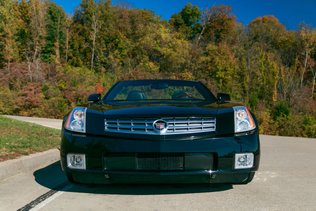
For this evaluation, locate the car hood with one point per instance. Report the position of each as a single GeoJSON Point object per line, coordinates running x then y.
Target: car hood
{"type": "Point", "coordinates": [160, 110]}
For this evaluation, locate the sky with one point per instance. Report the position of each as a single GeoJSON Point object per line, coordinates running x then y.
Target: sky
{"type": "Point", "coordinates": [290, 13]}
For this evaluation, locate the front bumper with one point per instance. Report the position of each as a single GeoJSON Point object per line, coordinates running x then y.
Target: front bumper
{"type": "Point", "coordinates": [208, 160]}
{"type": "Point", "coordinates": [190, 177]}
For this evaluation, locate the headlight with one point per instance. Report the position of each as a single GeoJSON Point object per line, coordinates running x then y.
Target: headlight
{"type": "Point", "coordinates": [243, 120]}
{"type": "Point", "coordinates": [77, 120]}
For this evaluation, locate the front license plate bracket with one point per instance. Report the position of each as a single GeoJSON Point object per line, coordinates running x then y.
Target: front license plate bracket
{"type": "Point", "coordinates": [160, 162]}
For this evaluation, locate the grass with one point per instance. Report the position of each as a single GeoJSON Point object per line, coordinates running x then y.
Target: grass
{"type": "Point", "coordinates": [21, 138]}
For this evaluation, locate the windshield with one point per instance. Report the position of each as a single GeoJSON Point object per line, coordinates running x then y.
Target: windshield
{"type": "Point", "coordinates": [159, 91]}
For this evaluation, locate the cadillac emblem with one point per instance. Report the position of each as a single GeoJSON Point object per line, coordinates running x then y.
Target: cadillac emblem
{"type": "Point", "coordinates": [160, 126]}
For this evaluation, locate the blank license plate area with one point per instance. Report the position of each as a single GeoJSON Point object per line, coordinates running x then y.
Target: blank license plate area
{"type": "Point", "coordinates": [164, 162]}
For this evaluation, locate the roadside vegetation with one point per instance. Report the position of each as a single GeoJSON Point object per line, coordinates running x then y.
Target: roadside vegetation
{"type": "Point", "coordinates": [20, 138]}
{"type": "Point", "coordinates": [50, 61]}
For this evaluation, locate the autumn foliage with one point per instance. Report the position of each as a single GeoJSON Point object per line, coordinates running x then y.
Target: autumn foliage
{"type": "Point", "coordinates": [50, 61]}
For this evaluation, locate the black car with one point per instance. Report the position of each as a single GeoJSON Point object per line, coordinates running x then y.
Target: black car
{"type": "Point", "coordinates": [160, 131]}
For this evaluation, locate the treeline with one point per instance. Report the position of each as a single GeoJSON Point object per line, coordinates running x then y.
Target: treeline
{"type": "Point", "coordinates": [50, 61]}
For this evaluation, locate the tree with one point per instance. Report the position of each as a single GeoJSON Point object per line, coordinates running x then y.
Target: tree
{"type": "Point", "coordinates": [219, 64]}
{"type": "Point", "coordinates": [8, 28]}
{"type": "Point", "coordinates": [55, 40]}
{"type": "Point", "coordinates": [313, 64]}
{"type": "Point", "coordinates": [85, 28]}
{"type": "Point", "coordinates": [266, 30]}
{"type": "Point", "coordinates": [31, 35]}
{"type": "Point", "coordinates": [80, 53]}
{"type": "Point", "coordinates": [308, 42]}
{"type": "Point", "coordinates": [187, 21]}
{"type": "Point", "coordinates": [24, 35]}
{"type": "Point", "coordinates": [218, 24]}
{"type": "Point", "coordinates": [37, 24]}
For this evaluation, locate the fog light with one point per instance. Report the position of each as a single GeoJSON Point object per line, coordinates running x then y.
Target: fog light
{"type": "Point", "coordinates": [244, 160]}
{"type": "Point", "coordinates": [76, 161]}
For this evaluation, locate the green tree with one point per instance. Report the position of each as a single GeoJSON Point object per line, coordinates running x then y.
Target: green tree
{"type": "Point", "coordinates": [24, 34]}
{"type": "Point", "coordinates": [55, 40]}
{"type": "Point", "coordinates": [8, 28]}
{"type": "Point", "coordinates": [263, 74]}
{"type": "Point", "coordinates": [187, 22]}
{"type": "Point", "coordinates": [85, 28]}
{"type": "Point", "coordinates": [219, 64]}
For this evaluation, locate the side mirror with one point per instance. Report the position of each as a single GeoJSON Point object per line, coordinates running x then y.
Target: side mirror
{"type": "Point", "coordinates": [94, 98]}
{"type": "Point", "coordinates": [222, 97]}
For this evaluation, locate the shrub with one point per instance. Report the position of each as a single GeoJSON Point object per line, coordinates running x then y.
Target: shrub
{"type": "Point", "coordinates": [6, 100]}
{"type": "Point", "coordinates": [281, 109]}
{"type": "Point", "coordinates": [309, 124]}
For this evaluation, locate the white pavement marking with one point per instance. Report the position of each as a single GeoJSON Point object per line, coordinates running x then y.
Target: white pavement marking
{"type": "Point", "coordinates": [51, 198]}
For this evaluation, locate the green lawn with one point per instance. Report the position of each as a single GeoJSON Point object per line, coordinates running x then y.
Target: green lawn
{"type": "Point", "coordinates": [21, 138]}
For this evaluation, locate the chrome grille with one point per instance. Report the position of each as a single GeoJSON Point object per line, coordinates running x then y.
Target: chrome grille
{"type": "Point", "coordinates": [175, 125]}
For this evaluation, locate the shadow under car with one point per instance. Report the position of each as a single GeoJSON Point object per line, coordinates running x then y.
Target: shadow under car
{"type": "Point", "coordinates": [53, 178]}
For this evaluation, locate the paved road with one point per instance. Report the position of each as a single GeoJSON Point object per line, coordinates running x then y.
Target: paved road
{"type": "Point", "coordinates": [52, 123]}
{"type": "Point", "coordinates": [286, 181]}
